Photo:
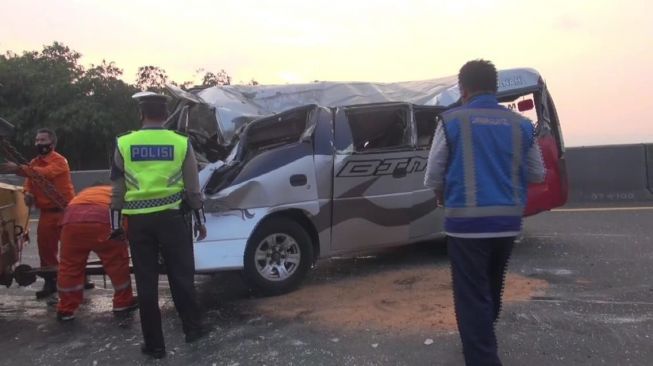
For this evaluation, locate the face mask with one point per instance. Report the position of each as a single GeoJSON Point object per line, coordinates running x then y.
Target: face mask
{"type": "Point", "coordinates": [44, 149]}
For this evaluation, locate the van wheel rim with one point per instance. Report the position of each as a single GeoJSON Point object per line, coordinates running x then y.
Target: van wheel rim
{"type": "Point", "coordinates": [277, 257]}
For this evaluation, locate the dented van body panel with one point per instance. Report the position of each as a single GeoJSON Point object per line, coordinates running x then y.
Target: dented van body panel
{"type": "Point", "coordinates": [346, 161]}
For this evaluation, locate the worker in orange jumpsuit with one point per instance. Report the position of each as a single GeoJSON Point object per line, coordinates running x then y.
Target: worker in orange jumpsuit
{"type": "Point", "coordinates": [86, 228]}
{"type": "Point", "coordinates": [54, 168]}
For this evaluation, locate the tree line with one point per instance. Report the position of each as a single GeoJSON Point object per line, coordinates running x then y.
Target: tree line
{"type": "Point", "coordinates": [86, 106]}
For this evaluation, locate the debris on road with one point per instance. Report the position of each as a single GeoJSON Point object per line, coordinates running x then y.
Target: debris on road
{"type": "Point", "coordinates": [405, 300]}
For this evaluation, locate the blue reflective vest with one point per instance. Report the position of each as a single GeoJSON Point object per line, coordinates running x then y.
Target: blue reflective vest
{"type": "Point", "coordinates": [485, 181]}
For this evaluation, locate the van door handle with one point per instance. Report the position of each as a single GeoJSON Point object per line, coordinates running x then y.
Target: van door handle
{"type": "Point", "coordinates": [298, 180]}
{"type": "Point", "coordinates": [399, 173]}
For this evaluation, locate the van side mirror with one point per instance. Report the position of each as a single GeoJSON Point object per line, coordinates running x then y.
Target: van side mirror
{"type": "Point", "coordinates": [525, 105]}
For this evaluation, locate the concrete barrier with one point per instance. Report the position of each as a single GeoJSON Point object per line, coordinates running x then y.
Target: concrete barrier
{"type": "Point", "coordinates": [649, 167]}
{"type": "Point", "coordinates": [81, 179]}
{"type": "Point", "coordinates": [597, 174]}
{"type": "Point", "coordinates": [618, 173]}
{"type": "Point", "coordinates": [86, 178]}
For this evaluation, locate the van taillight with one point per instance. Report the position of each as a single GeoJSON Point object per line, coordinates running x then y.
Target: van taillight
{"type": "Point", "coordinates": [525, 105]}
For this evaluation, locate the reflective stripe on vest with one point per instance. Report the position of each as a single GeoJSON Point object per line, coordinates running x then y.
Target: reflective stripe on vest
{"type": "Point", "coordinates": [485, 211]}
{"type": "Point", "coordinates": [154, 202]}
{"type": "Point", "coordinates": [467, 118]}
{"type": "Point", "coordinates": [153, 170]}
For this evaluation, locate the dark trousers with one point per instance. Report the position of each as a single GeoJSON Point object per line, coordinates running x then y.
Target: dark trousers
{"type": "Point", "coordinates": [166, 232]}
{"type": "Point", "coordinates": [478, 268]}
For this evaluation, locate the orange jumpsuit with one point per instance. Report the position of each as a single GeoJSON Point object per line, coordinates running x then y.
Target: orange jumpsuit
{"type": "Point", "coordinates": [86, 228]}
{"type": "Point", "coordinates": [53, 167]}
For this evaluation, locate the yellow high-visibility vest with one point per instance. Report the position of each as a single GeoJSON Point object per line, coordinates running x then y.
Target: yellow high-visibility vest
{"type": "Point", "coordinates": [153, 170]}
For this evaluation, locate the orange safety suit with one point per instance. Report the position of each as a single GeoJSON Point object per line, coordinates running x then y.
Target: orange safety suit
{"type": "Point", "coordinates": [86, 228]}
{"type": "Point", "coordinates": [54, 168]}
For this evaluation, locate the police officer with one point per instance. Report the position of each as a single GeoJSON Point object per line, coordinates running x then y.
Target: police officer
{"type": "Point", "coordinates": [154, 170]}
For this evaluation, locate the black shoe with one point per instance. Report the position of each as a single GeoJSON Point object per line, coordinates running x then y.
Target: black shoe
{"type": "Point", "coordinates": [89, 285]}
{"type": "Point", "coordinates": [193, 335]}
{"type": "Point", "coordinates": [128, 308]}
{"type": "Point", "coordinates": [153, 352]}
{"type": "Point", "coordinates": [48, 289]}
{"type": "Point", "coordinates": [65, 317]}
{"type": "Point", "coordinates": [52, 300]}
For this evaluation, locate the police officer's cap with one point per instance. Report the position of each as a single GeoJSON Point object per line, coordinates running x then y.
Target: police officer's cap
{"type": "Point", "coordinates": [148, 97]}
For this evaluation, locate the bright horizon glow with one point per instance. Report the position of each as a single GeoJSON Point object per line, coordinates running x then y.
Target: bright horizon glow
{"type": "Point", "coordinates": [596, 56]}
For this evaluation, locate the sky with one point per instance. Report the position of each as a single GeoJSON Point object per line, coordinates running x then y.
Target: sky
{"type": "Point", "coordinates": [595, 55]}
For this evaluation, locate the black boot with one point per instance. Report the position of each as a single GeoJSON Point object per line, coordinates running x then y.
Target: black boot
{"type": "Point", "coordinates": [153, 352]}
{"type": "Point", "coordinates": [88, 284]}
{"type": "Point", "coordinates": [194, 335]}
{"type": "Point", "coordinates": [49, 288]}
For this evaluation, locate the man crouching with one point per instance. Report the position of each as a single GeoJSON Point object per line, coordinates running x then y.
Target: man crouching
{"type": "Point", "coordinates": [86, 227]}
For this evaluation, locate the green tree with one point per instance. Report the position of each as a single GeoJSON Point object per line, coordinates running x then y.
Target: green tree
{"type": "Point", "coordinates": [109, 110]}
{"type": "Point", "coordinates": [214, 79]}
{"type": "Point", "coordinates": [151, 78]}
{"type": "Point", "coordinates": [86, 108]}
{"type": "Point", "coordinates": [185, 85]}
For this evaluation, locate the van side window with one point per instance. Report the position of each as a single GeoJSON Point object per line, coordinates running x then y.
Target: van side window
{"type": "Point", "coordinates": [379, 128]}
{"type": "Point", "coordinates": [426, 121]}
{"type": "Point", "coordinates": [278, 130]}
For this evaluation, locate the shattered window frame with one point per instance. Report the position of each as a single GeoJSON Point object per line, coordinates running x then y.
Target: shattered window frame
{"type": "Point", "coordinates": [424, 135]}
{"type": "Point", "coordinates": [381, 139]}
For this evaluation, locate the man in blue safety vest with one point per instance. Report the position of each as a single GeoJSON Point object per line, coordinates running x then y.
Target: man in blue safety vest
{"type": "Point", "coordinates": [482, 158]}
{"type": "Point", "coordinates": [154, 170]}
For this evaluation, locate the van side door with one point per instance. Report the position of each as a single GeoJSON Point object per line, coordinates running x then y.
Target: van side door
{"type": "Point", "coordinates": [372, 191]}
{"type": "Point", "coordinates": [426, 219]}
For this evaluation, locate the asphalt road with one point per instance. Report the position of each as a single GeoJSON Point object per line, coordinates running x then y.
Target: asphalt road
{"type": "Point", "coordinates": [596, 310]}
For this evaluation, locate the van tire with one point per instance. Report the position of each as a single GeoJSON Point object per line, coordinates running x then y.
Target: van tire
{"type": "Point", "coordinates": [278, 256]}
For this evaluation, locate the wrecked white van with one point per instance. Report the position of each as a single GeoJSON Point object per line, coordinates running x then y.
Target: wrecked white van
{"type": "Point", "coordinates": [296, 173]}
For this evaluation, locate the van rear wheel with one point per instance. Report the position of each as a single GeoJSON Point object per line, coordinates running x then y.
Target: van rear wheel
{"type": "Point", "coordinates": [278, 256]}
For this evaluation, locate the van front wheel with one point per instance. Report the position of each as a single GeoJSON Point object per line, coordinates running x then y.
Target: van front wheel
{"type": "Point", "coordinates": [278, 256]}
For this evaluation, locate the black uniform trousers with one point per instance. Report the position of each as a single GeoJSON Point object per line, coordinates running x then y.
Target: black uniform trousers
{"type": "Point", "coordinates": [478, 269]}
{"type": "Point", "coordinates": [166, 232]}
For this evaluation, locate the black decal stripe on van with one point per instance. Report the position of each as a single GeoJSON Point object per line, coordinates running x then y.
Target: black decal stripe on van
{"type": "Point", "coordinates": [422, 209]}
{"type": "Point", "coordinates": [359, 190]}
{"type": "Point", "coordinates": [352, 208]}
{"type": "Point", "coordinates": [388, 217]}
{"type": "Point", "coordinates": [272, 160]}
{"type": "Point", "coordinates": [362, 208]}
{"type": "Point", "coordinates": [359, 209]}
